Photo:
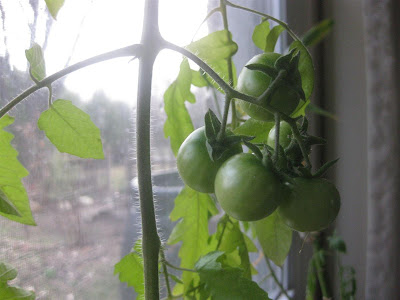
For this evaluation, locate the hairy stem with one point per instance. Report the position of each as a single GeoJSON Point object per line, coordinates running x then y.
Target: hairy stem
{"type": "Point", "coordinates": [166, 275]}
{"type": "Point", "coordinates": [133, 50]}
{"type": "Point", "coordinates": [150, 239]}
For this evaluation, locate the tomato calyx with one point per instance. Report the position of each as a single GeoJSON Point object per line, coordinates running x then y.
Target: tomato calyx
{"type": "Point", "coordinates": [219, 143]}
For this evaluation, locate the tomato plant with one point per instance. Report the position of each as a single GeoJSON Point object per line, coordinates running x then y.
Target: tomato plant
{"type": "Point", "coordinates": [254, 83]}
{"type": "Point", "coordinates": [249, 187]}
{"type": "Point", "coordinates": [247, 190]}
{"type": "Point", "coordinates": [195, 166]}
{"type": "Point", "coordinates": [311, 204]}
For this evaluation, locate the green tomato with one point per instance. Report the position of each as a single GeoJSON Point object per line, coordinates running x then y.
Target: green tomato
{"type": "Point", "coordinates": [247, 190]}
{"type": "Point", "coordinates": [285, 132]}
{"type": "Point", "coordinates": [311, 204]}
{"type": "Point", "coordinates": [195, 166]}
{"type": "Point", "coordinates": [254, 83]}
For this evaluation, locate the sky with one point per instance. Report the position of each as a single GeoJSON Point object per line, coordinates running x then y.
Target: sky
{"type": "Point", "coordinates": [86, 28]}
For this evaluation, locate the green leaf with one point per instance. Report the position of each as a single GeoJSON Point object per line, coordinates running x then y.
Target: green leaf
{"type": "Point", "coordinates": [178, 124]}
{"type": "Point", "coordinates": [306, 68]}
{"type": "Point", "coordinates": [232, 239]}
{"type": "Point", "coordinates": [6, 206]}
{"type": "Point", "coordinates": [337, 243]}
{"type": "Point", "coordinates": [259, 129]}
{"type": "Point", "coordinates": [272, 38]}
{"type": "Point", "coordinates": [320, 111]}
{"type": "Point", "coordinates": [260, 35]}
{"type": "Point", "coordinates": [71, 130]}
{"type": "Point", "coordinates": [7, 272]}
{"type": "Point", "coordinates": [275, 238]}
{"type": "Point", "coordinates": [37, 68]}
{"type": "Point", "coordinates": [12, 191]}
{"type": "Point", "coordinates": [130, 270]}
{"type": "Point", "coordinates": [198, 78]}
{"type": "Point", "coordinates": [54, 6]}
{"type": "Point", "coordinates": [301, 109]}
{"type": "Point", "coordinates": [223, 283]}
{"type": "Point", "coordinates": [214, 49]}
{"type": "Point", "coordinates": [193, 209]}
{"type": "Point", "coordinates": [7, 292]}
{"type": "Point", "coordinates": [317, 33]}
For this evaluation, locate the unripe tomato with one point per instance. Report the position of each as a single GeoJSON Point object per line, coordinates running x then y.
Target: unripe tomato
{"type": "Point", "coordinates": [285, 132]}
{"type": "Point", "coordinates": [254, 83]}
{"type": "Point", "coordinates": [195, 166]}
{"type": "Point", "coordinates": [311, 204]}
{"type": "Point", "coordinates": [247, 190]}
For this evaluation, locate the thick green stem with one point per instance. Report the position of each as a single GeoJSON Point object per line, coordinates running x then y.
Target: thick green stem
{"type": "Point", "coordinates": [133, 50]}
{"type": "Point", "coordinates": [150, 239]}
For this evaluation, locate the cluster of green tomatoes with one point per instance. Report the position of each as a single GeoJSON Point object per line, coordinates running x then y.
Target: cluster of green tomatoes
{"type": "Point", "coordinates": [250, 187]}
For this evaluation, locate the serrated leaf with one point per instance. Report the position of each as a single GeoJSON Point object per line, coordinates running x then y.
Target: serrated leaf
{"type": "Point", "coordinates": [256, 128]}
{"type": "Point", "coordinates": [317, 33]}
{"type": "Point", "coordinates": [275, 238]}
{"type": "Point", "coordinates": [260, 35]}
{"type": "Point", "coordinates": [232, 239]}
{"type": "Point", "coordinates": [214, 49]}
{"type": "Point", "coordinates": [272, 38]}
{"type": "Point", "coordinates": [130, 270]}
{"type": "Point", "coordinates": [71, 130]}
{"type": "Point", "coordinates": [193, 209]}
{"type": "Point", "coordinates": [12, 172]}
{"type": "Point", "coordinates": [306, 68]}
{"type": "Point", "coordinates": [7, 292]}
{"type": "Point", "coordinates": [223, 283]}
{"type": "Point", "coordinates": [178, 124]}
{"type": "Point", "coordinates": [37, 68]}
{"type": "Point", "coordinates": [54, 6]}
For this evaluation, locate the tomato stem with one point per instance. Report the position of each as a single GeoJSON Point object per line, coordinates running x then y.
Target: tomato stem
{"type": "Point", "coordinates": [166, 274]}
{"type": "Point", "coordinates": [321, 268]}
{"type": "Point", "coordinates": [272, 272]}
{"type": "Point", "coordinates": [277, 130]}
{"type": "Point", "coordinates": [132, 50]}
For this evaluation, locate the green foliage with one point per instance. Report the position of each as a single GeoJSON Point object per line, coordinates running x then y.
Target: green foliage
{"type": "Point", "coordinates": [193, 210]}
{"type": "Point", "coordinates": [223, 282]}
{"type": "Point", "coordinates": [7, 292]}
{"type": "Point", "coordinates": [71, 130]}
{"type": "Point", "coordinates": [275, 238]}
{"type": "Point", "coordinates": [37, 68]}
{"type": "Point", "coordinates": [14, 203]}
{"type": "Point", "coordinates": [54, 6]}
{"type": "Point", "coordinates": [264, 37]}
{"type": "Point", "coordinates": [312, 281]}
{"type": "Point", "coordinates": [178, 124]}
{"type": "Point", "coordinates": [259, 129]}
{"type": "Point", "coordinates": [214, 49]}
{"type": "Point", "coordinates": [320, 111]}
{"type": "Point", "coordinates": [130, 270]}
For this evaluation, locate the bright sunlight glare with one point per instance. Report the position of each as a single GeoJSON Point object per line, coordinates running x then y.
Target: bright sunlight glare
{"type": "Point", "coordinates": [86, 28]}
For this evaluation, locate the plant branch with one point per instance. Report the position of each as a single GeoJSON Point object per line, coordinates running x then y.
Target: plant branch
{"type": "Point", "coordinates": [277, 129]}
{"type": "Point", "coordinates": [178, 268]}
{"type": "Point", "coordinates": [166, 275]}
{"type": "Point", "coordinates": [133, 50]}
{"type": "Point", "coordinates": [272, 272]}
